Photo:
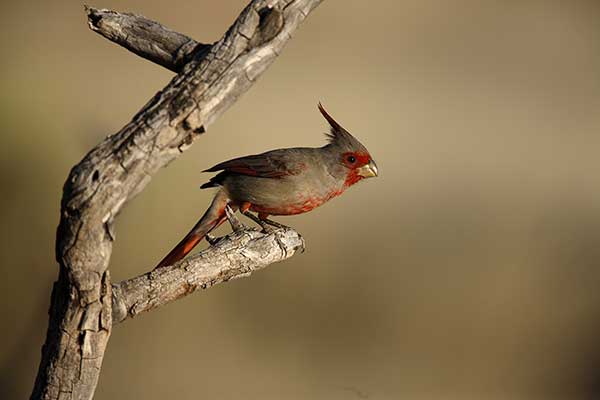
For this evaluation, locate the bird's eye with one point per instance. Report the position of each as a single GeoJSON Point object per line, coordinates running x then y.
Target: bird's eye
{"type": "Point", "coordinates": [351, 159]}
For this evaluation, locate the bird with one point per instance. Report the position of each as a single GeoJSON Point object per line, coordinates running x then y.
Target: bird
{"type": "Point", "coordinates": [280, 182]}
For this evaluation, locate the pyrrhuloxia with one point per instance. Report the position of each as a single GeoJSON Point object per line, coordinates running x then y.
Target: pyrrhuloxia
{"type": "Point", "coordinates": [281, 182]}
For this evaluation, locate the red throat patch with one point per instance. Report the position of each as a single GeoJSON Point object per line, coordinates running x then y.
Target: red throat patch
{"type": "Point", "coordinates": [361, 159]}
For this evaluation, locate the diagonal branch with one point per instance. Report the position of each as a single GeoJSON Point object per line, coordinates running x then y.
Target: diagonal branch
{"type": "Point", "coordinates": [112, 173]}
{"type": "Point", "coordinates": [234, 256]}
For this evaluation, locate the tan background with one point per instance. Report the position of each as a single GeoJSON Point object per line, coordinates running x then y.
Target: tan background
{"type": "Point", "coordinates": [468, 270]}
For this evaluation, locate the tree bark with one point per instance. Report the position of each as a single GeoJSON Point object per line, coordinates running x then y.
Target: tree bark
{"type": "Point", "coordinates": [235, 256]}
{"type": "Point", "coordinates": [84, 303]}
{"type": "Point", "coordinates": [146, 38]}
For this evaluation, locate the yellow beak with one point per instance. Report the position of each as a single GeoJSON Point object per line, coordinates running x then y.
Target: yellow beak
{"type": "Point", "coordinates": [368, 171]}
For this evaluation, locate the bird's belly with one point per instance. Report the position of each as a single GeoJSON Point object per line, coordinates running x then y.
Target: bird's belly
{"type": "Point", "coordinates": [281, 196]}
{"type": "Point", "coordinates": [291, 205]}
{"type": "Point", "coordinates": [291, 208]}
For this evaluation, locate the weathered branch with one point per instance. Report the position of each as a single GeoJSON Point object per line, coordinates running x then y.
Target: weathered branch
{"type": "Point", "coordinates": [121, 166]}
{"type": "Point", "coordinates": [146, 38]}
{"type": "Point", "coordinates": [234, 256]}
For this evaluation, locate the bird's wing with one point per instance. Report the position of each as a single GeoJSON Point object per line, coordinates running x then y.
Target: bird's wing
{"type": "Point", "coordinates": [266, 165]}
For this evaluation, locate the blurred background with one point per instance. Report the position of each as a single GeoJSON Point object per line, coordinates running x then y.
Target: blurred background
{"type": "Point", "coordinates": [468, 270]}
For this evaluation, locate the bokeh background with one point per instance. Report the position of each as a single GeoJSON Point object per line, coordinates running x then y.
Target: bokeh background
{"type": "Point", "coordinates": [468, 270]}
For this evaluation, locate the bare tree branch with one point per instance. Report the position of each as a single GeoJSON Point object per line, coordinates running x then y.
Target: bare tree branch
{"type": "Point", "coordinates": [121, 166]}
{"type": "Point", "coordinates": [234, 256]}
{"type": "Point", "coordinates": [145, 37]}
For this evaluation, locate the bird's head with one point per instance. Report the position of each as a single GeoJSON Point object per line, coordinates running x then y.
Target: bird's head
{"type": "Point", "coordinates": [352, 159]}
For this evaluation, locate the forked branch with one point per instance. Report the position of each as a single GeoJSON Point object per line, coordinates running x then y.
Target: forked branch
{"type": "Point", "coordinates": [210, 79]}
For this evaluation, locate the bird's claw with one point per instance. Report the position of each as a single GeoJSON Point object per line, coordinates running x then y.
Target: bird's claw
{"type": "Point", "coordinates": [212, 240]}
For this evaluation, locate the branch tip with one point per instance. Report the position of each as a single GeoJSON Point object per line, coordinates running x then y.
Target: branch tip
{"type": "Point", "coordinates": [93, 17]}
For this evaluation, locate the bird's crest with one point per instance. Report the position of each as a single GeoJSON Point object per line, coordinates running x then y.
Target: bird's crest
{"type": "Point", "coordinates": [337, 135]}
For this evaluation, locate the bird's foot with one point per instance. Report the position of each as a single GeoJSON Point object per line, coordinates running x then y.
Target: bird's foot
{"type": "Point", "coordinates": [211, 239]}
{"type": "Point", "coordinates": [235, 223]}
{"type": "Point", "coordinates": [265, 227]}
{"type": "Point", "coordinates": [266, 224]}
{"type": "Point", "coordinates": [275, 224]}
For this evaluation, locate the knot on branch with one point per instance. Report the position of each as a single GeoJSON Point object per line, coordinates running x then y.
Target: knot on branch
{"type": "Point", "coordinates": [270, 23]}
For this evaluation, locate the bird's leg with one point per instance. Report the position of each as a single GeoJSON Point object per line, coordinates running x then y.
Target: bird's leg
{"type": "Point", "coordinates": [272, 223]}
{"type": "Point", "coordinates": [265, 223]}
{"type": "Point", "coordinates": [235, 223]}
{"type": "Point", "coordinates": [266, 228]}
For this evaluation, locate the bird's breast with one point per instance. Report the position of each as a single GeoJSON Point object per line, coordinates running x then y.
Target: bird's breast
{"type": "Point", "coordinates": [303, 203]}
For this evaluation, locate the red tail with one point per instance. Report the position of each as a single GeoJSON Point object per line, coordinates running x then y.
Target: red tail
{"type": "Point", "coordinates": [212, 218]}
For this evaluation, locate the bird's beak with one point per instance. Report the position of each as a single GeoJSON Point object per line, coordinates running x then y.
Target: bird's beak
{"type": "Point", "coordinates": [368, 171]}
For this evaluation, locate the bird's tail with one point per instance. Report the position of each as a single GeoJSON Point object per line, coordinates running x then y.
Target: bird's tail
{"type": "Point", "coordinates": [212, 218]}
